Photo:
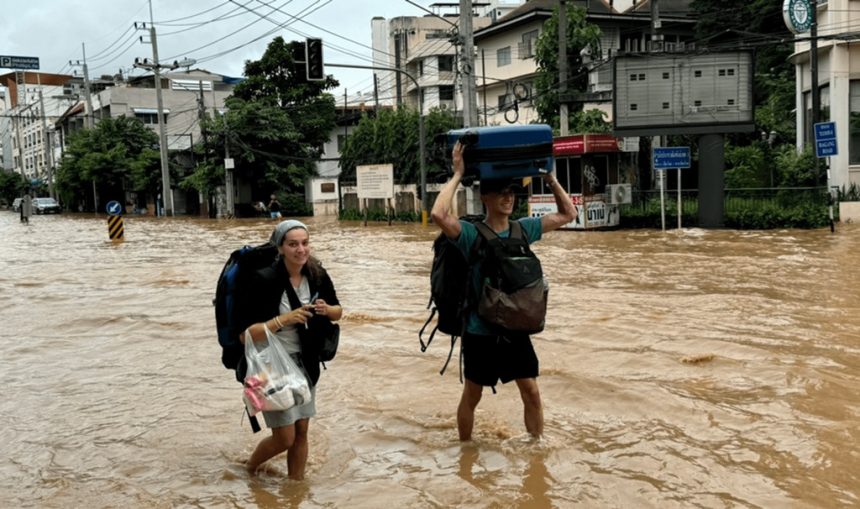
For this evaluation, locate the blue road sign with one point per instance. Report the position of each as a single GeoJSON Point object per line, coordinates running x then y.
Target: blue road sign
{"type": "Point", "coordinates": [114, 208]}
{"type": "Point", "coordinates": [825, 139]}
{"type": "Point", "coordinates": [16, 62]}
{"type": "Point", "coordinates": [667, 158]}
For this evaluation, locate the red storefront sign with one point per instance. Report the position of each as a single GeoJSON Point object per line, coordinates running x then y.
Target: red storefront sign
{"type": "Point", "coordinates": [585, 144]}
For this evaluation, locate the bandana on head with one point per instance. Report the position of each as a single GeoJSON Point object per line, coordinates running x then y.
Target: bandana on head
{"type": "Point", "coordinates": [282, 229]}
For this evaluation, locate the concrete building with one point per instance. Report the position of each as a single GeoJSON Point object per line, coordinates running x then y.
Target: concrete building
{"type": "Point", "coordinates": [185, 95]}
{"type": "Point", "coordinates": [32, 102]}
{"type": "Point", "coordinates": [423, 47]}
{"type": "Point", "coordinates": [506, 66]}
{"type": "Point", "coordinates": [838, 84]}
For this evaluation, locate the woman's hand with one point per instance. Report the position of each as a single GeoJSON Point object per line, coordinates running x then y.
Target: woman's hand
{"type": "Point", "coordinates": [300, 315]}
{"type": "Point", "coordinates": [320, 307]}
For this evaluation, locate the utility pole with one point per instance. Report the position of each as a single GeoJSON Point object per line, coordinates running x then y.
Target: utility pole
{"type": "Point", "coordinates": [563, 120]}
{"type": "Point", "coordinates": [156, 67]}
{"type": "Point", "coordinates": [49, 159]}
{"type": "Point", "coordinates": [228, 170]}
{"type": "Point", "coordinates": [201, 115]}
{"type": "Point", "coordinates": [813, 78]}
{"type": "Point", "coordinates": [167, 192]}
{"type": "Point", "coordinates": [467, 65]}
{"type": "Point", "coordinates": [89, 116]}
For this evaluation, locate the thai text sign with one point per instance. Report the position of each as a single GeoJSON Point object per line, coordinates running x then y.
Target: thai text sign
{"type": "Point", "coordinates": [666, 158]}
{"type": "Point", "coordinates": [375, 181]}
{"type": "Point", "coordinates": [13, 62]}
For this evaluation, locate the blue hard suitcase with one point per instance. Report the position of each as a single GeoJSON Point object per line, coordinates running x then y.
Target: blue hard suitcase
{"type": "Point", "coordinates": [512, 151]}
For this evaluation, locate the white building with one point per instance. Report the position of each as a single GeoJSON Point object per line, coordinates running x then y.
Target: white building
{"type": "Point", "coordinates": [32, 102]}
{"type": "Point", "coordinates": [422, 47]}
{"type": "Point", "coordinates": [506, 66]}
{"type": "Point", "coordinates": [838, 83]}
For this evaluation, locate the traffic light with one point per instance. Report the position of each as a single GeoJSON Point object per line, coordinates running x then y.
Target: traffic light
{"type": "Point", "coordinates": [314, 60]}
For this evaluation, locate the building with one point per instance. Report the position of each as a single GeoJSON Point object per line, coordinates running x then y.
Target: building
{"type": "Point", "coordinates": [838, 85]}
{"type": "Point", "coordinates": [424, 48]}
{"type": "Point", "coordinates": [186, 95]}
{"type": "Point", "coordinates": [32, 102]}
{"type": "Point", "coordinates": [506, 66]}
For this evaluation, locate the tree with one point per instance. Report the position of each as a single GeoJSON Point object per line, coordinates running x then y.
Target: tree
{"type": "Point", "coordinates": [737, 23]}
{"type": "Point", "coordinates": [12, 185]}
{"type": "Point", "coordinates": [580, 35]}
{"type": "Point", "coordinates": [118, 154]}
{"type": "Point", "coordinates": [391, 136]}
{"type": "Point", "coordinates": [275, 125]}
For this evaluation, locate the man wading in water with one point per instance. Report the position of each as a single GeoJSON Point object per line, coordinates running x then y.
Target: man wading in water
{"type": "Point", "coordinates": [490, 355]}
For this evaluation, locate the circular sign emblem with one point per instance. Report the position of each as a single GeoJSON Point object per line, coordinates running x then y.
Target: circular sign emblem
{"type": "Point", "coordinates": [797, 15]}
{"type": "Point", "coordinates": [114, 208]}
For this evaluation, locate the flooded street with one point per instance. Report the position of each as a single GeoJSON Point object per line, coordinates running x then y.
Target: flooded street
{"type": "Point", "coordinates": [693, 369]}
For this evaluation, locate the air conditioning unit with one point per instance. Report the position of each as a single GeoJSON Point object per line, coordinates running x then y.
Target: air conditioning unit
{"type": "Point", "coordinates": [619, 194]}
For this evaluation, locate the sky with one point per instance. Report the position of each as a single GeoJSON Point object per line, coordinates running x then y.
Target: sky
{"type": "Point", "coordinates": [54, 31]}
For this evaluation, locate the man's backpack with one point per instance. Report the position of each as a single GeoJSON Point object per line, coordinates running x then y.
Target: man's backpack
{"type": "Point", "coordinates": [233, 283]}
{"type": "Point", "coordinates": [513, 294]}
{"type": "Point", "coordinates": [450, 289]}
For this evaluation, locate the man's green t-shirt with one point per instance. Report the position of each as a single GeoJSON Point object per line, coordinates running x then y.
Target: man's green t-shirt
{"type": "Point", "coordinates": [532, 232]}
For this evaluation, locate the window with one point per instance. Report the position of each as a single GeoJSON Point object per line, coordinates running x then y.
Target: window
{"type": "Point", "coordinates": [341, 139]}
{"type": "Point", "coordinates": [634, 107]}
{"type": "Point", "coordinates": [642, 77]}
{"type": "Point", "coordinates": [665, 75]}
{"type": "Point", "coordinates": [697, 74]}
{"type": "Point", "coordinates": [665, 106]}
{"type": "Point", "coordinates": [697, 103]}
{"type": "Point", "coordinates": [731, 102]}
{"type": "Point", "coordinates": [854, 122]}
{"type": "Point", "coordinates": [420, 68]}
{"type": "Point", "coordinates": [505, 100]}
{"type": "Point", "coordinates": [503, 56]}
{"type": "Point", "coordinates": [446, 63]}
{"type": "Point", "coordinates": [149, 118]}
{"type": "Point", "coordinates": [632, 77]}
{"type": "Point", "coordinates": [446, 93]}
{"type": "Point", "coordinates": [527, 47]}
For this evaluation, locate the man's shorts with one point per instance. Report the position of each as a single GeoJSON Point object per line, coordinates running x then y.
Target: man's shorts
{"type": "Point", "coordinates": [488, 359]}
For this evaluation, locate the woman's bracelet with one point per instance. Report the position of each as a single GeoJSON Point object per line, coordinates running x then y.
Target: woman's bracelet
{"type": "Point", "coordinates": [278, 322]}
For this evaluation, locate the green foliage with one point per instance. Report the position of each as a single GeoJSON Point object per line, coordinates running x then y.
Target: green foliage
{"type": "Point", "coordinates": [791, 209]}
{"type": "Point", "coordinates": [746, 166]}
{"type": "Point", "coordinates": [797, 169]}
{"type": "Point", "coordinates": [275, 125]}
{"type": "Point", "coordinates": [392, 137]}
{"type": "Point", "coordinates": [294, 204]}
{"type": "Point", "coordinates": [378, 214]}
{"type": "Point", "coordinates": [851, 193]}
{"type": "Point", "coordinates": [729, 22]}
{"type": "Point", "coordinates": [117, 153]}
{"type": "Point", "coordinates": [580, 34]}
{"type": "Point", "coordinates": [11, 186]}
{"type": "Point", "coordinates": [590, 121]}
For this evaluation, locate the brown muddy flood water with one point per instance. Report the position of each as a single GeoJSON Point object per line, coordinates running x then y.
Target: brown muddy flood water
{"type": "Point", "coordinates": [692, 369]}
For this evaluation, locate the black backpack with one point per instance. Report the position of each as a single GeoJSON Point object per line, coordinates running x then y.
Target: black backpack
{"type": "Point", "coordinates": [233, 282]}
{"type": "Point", "coordinates": [450, 289]}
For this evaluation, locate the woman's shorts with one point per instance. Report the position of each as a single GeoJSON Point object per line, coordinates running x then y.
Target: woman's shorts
{"type": "Point", "coordinates": [488, 359]}
{"type": "Point", "coordinates": [291, 415]}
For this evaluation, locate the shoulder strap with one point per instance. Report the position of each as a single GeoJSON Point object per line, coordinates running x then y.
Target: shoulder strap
{"type": "Point", "coordinates": [516, 230]}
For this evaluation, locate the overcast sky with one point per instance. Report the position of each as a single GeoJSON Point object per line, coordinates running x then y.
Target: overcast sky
{"type": "Point", "coordinates": [53, 31]}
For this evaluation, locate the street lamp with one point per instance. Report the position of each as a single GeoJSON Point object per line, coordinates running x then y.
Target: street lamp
{"type": "Point", "coordinates": [156, 68]}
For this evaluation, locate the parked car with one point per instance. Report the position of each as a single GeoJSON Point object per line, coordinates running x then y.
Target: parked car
{"type": "Point", "coordinates": [46, 206]}
{"type": "Point", "coordinates": [16, 204]}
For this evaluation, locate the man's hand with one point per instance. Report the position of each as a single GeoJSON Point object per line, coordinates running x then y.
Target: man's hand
{"type": "Point", "coordinates": [457, 163]}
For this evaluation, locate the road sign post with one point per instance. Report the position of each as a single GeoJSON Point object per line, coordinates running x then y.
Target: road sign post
{"type": "Point", "coordinates": [825, 139]}
{"type": "Point", "coordinates": [116, 229]}
{"type": "Point", "coordinates": [668, 158]}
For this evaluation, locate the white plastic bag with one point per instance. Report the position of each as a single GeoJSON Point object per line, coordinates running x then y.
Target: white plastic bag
{"type": "Point", "coordinates": [273, 380]}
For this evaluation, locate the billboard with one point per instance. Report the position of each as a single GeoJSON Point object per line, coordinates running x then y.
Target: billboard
{"type": "Point", "coordinates": [662, 94]}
